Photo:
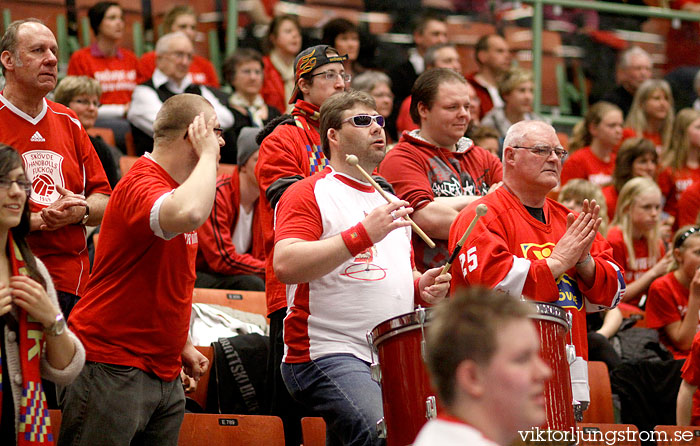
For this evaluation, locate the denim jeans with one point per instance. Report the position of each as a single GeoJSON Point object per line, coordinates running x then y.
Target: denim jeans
{"type": "Point", "coordinates": [340, 389]}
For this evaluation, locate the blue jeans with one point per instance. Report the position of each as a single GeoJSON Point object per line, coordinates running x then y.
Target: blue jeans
{"type": "Point", "coordinates": [339, 388]}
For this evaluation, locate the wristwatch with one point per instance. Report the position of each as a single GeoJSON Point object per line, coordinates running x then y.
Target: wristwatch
{"type": "Point", "coordinates": [58, 327]}
{"type": "Point", "coordinates": [86, 216]}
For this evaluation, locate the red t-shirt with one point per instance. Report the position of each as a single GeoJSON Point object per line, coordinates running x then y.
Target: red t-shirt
{"type": "Point", "coordinates": [56, 151]}
{"type": "Point", "coordinates": [673, 183]}
{"type": "Point", "coordinates": [688, 213]}
{"type": "Point", "coordinates": [508, 250]}
{"type": "Point", "coordinates": [117, 75]}
{"type": "Point", "coordinates": [691, 374]}
{"type": "Point", "coordinates": [641, 254]}
{"type": "Point", "coordinates": [420, 171]}
{"type": "Point", "coordinates": [136, 309]}
{"type": "Point", "coordinates": [667, 303]}
{"type": "Point", "coordinates": [584, 164]}
{"type": "Point", "coordinates": [202, 71]}
{"type": "Point", "coordinates": [272, 90]}
{"type": "Point", "coordinates": [654, 137]}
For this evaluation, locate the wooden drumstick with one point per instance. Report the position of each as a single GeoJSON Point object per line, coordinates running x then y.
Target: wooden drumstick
{"type": "Point", "coordinates": [353, 161]}
{"type": "Point", "coordinates": [481, 210]}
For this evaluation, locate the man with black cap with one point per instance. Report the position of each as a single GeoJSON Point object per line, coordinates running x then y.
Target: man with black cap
{"type": "Point", "coordinates": [290, 151]}
{"type": "Point", "coordinates": [230, 254]}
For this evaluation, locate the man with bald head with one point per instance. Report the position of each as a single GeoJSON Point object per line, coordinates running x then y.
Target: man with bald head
{"type": "Point", "coordinates": [69, 187]}
{"type": "Point", "coordinates": [174, 53]}
{"type": "Point", "coordinates": [134, 318]}
{"type": "Point", "coordinates": [530, 245]}
{"type": "Point", "coordinates": [633, 68]}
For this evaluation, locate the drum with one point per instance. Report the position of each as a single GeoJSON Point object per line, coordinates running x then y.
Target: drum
{"type": "Point", "coordinates": [398, 344]}
{"type": "Point", "coordinates": [553, 324]}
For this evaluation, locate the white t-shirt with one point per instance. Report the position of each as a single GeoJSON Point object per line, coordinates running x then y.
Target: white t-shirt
{"type": "Point", "coordinates": [441, 432]}
{"type": "Point", "coordinates": [243, 232]}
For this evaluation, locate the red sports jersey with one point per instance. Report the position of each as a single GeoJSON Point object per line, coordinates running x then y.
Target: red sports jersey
{"type": "Point", "coordinates": [654, 137]}
{"type": "Point", "coordinates": [641, 254]}
{"type": "Point", "coordinates": [202, 71]}
{"type": "Point", "coordinates": [508, 248]}
{"type": "Point", "coordinates": [136, 309]}
{"type": "Point", "coordinates": [217, 253]}
{"type": "Point", "coordinates": [332, 314]}
{"type": "Point", "coordinates": [667, 302]}
{"type": "Point", "coordinates": [117, 75]}
{"type": "Point", "coordinates": [691, 374]}
{"type": "Point", "coordinates": [584, 164]}
{"type": "Point", "coordinates": [611, 195]}
{"type": "Point", "coordinates": [420, 171]}
{"type": "Point", "coordinates": [56, 151]}
{"type": "Point", "coordinates": [291, 150]}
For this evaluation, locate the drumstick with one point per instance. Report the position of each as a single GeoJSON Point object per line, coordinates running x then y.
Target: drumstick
{"type": "Point", "coordinates": [481, 210]}
{"type": "Point", "coordinates": [353, 161]}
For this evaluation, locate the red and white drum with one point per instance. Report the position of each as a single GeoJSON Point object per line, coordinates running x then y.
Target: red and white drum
{"type": "Point", "coordinates": [553, 324]}
{"type": "Point", "coordinates": [407, 395]}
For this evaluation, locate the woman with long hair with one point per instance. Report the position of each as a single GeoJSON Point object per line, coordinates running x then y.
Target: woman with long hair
{"type": "Point", "coordinates": [681, 161]}
{"type": "Point", "coordinates": [283, 44]}
{"type": "Point", "coordinates": [34, 340]}
{"type": "Point", "coordinates": [592, 145]}
{"type": "Point", "coordinates": [651, 113]}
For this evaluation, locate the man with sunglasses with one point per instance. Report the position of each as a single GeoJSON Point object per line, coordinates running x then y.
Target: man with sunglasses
{"type": "Point", "coordinates": [69, 185]}
{"type": "Point", "coordinates": [345, 255]}
{"type": "Point", "coordinates": [174, 53]}
{"type": "Point", "coordinates": [530, 245]}
{"type": "Point", "coordinates": [435, 168]}
{"type": "Point", "coordinates": [291, 150]}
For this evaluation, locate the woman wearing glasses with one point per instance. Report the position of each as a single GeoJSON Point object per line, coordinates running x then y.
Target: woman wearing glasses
{"type": "Point", "coordinates": [34, 340]}
{"type": "Point", "coordinates": [82, 95]}
{"type": "Point", "coordinates": [243, 71]}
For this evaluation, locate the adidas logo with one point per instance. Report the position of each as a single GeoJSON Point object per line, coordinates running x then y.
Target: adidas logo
{"type": "Point", "coordinates": [36, 137]}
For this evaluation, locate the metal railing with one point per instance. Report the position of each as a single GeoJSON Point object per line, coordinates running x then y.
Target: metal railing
{"type": "Point", "coordinates": [538, 21]}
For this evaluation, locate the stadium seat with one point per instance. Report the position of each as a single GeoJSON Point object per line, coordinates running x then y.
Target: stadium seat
{"type": "Point", "coordinates": [250, 301]}
{"type": "Point", "coordinates": [106, 134]}
{"type": "Point", "coordinates": [677, 435]}
{"type": "Point", "coordinates": [601, 434]}
{"type": "Point", "coordinates": [313, 431]}
{"type": "Point", "coordinates": [222, 430]}
{"type": "Point", "coordinates": [600, 409]}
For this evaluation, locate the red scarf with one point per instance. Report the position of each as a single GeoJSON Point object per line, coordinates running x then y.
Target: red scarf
{"type": "Point", "coordinates": [310, 123]}
{"type": "Point", "coordinates": [34, 426]}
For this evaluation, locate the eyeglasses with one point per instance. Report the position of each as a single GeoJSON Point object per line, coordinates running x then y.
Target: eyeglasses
{"type": "Point", "coordinates": [546, 151]}
{"type": "Point", "coordinates": [181, 55]}
{"type": "Point", "coordinates": [26, 186]}
{"type": "Point", "coordinates": [87, 102]}
{"type": "Point", "coordinates": [218, 130]}
{"type": "Point", "coordinates": [331, 75]}
{"type": "Point", "coordinates": [365, 120]}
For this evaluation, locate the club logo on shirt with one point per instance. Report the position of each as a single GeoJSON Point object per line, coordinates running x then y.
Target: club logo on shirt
{"type": "Point", "coordinates": [44, 168]}
{"type": "Point", "coordinates": [191, 238]}
{"type": "Point", "coordinates": [362, 267]}
{"type": "Point", "coordinates": [569, 294]}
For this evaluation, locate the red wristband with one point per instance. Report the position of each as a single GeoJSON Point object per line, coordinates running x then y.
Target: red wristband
{"type": "Point", "coordinates": [356, 239]}
{"type": "Point", "coordinates": [416, 289]}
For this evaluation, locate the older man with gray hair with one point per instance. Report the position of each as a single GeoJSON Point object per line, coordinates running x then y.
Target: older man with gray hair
{"type": "Point", "coordinates": [633, 68]}
{"type": "Point", "coordinates": [530, 245]}
{"type": "Point", "coordinates": [174, 53]}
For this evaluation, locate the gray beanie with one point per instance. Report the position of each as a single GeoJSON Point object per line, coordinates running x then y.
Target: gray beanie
{"type": "Point", "coordinates": [246, 144]}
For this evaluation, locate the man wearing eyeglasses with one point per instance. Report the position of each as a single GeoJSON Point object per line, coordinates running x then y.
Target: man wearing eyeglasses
{"type": "Point", "coordinates": [345, 255]}
{"type": "Point", "coordinates": [435, 168]}
{"type": "Point", "coordinates": [291, 150]}
{"type": "Point", "coordinates": [174, 54]}
{"type": "Point", "coordinates": [69, 186]}
{"type": "Point", "coordinates": [530, 245]}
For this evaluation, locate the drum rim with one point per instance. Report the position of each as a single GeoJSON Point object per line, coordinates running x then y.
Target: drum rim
{"type": "Point", "coordinates": [398, 325]}
{"type": "Point", "coordinates": [559, 318]}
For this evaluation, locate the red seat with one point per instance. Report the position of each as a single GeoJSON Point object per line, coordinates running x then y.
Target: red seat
{"type": "Point", "coordinates": [600, 434]}
{"type": "Point", "coordinates": [677, 435]}
{"type": "Point", "coordinates": [600, 409]}
{"type": "Point", "coordinates": [313, 431]}
{"type": "Point", "coordinates": [220, 430]}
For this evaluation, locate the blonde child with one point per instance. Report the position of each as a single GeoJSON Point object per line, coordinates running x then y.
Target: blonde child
{"type": "Point", "coordinates": [577, 190]}
{"type": "Point", "coordinates": [634, 237]}
{"type": "Point", "coordinates": [674, 299]}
